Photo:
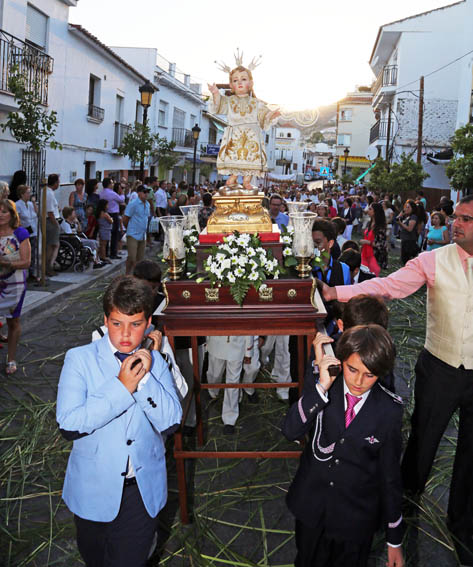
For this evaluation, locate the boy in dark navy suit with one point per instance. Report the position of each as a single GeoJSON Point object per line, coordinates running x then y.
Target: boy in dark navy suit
{"type": "Point", "coordinates": [348, 483]}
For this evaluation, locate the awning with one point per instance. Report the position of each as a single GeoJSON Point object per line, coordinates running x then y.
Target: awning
{"type": "Point", "coordinates": [219, 127]}
{"type": "Point", "coordinates": [280, 177]}
{"type": "Point", "coordinates": [359, 160]}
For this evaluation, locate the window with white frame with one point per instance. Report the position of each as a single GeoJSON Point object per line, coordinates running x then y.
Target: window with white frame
{"type": "Point", "coordinates": [178, 118]}
{"type": "Point", "coordinates": [345, 114]}
{"type": "Point", "coordinates": [343, 139]}
{"type": "Point", "coordinates": [36, 27]}
{"type": "Point", "coordinates": [163, 113]}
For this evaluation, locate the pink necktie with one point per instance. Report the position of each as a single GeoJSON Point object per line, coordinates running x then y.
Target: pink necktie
{"type": "Point", "coordinates": [350, 411]}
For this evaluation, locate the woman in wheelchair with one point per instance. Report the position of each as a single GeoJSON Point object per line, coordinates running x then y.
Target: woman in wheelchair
{"type": "Point", "coordinates": [72, 230]}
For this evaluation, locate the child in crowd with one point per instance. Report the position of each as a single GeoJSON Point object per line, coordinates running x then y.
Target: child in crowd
{"type": "Point", "coordinates": [114, 400]}
{"type": "Point", "coordinates": [71, 225]}
{"type": "Point", "coordinates": [91, 228]}
{"type": "Point", "coordinates": [348, 484]}
{"type": "Point", "coordinates": [122, 229]}
{"type": "Point", "coordinates": [104, 223]}
{"type": "Point", "coordinates": [229, 355]}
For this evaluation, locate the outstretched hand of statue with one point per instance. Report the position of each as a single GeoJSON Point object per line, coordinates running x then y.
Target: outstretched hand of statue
{"type": "Point", "coordinates": [214, 91]}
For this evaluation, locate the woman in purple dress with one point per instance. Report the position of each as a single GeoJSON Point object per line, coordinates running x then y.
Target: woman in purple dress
{"type": "Point", "coordinates": [15, 258]}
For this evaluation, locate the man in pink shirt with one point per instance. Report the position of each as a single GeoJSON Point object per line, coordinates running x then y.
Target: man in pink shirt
{"type": "Point", "coordinates": [444, 370]}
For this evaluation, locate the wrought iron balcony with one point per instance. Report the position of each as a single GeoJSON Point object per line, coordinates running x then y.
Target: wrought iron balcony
{"type": "Point", "coordinates": [387, 78]}
{"type": "Point", "coordinates": [379, 131]}
{"type": "Point", "coordinates": [121, 130]}
{"type": "Point", "coordinates": [96, 113]}
{"type": "Point", "coordinates": [183, 137]}
{"type": "Point", "coordinates": [19, 58]}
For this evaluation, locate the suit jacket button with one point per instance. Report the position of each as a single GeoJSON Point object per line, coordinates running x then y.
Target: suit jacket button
{"type": "Point", "coordinates": [337, 461]}
{"type": "Point", "coordinates": [331, 483]}
{"type": "Point", "coordinates": [342, 440]}
{"type": "Point", "coordinates": [129, 442]}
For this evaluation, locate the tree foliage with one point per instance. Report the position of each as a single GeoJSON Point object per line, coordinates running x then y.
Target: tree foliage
{"type": "Point", "coordinates": [404, 176]}
{"type": "Point", "coordinates": [31, 124]}
{"type": "Point", "coordinates": [315, 138]}
{"type": "Point", "coordinates": [140, 143]}
{"type": "Point", "coordinates": [460, 168]}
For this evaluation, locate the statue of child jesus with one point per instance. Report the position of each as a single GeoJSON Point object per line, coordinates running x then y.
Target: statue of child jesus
{"type": "Point", "coordinates": [242, 150]}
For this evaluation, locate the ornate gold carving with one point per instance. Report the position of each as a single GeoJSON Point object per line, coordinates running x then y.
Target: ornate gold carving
{"type": "Point", "coordinates": [211, 294]}
{"type": "Point", "coordinates": [292, 293]}
{"type": "Point", "coordinates": [265, 293]}
{"type": "Point", "coordinates": [313, 291]}
{"type": "Point", "coordinates": [166, 294]}
{"type": "Point", "coordinates": [257, 219]}
{"type": "Point", "coordinates": [186, 294]}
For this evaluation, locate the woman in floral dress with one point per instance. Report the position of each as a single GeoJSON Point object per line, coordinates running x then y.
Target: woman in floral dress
{"type": "Point", "coordinates": [15, 258]}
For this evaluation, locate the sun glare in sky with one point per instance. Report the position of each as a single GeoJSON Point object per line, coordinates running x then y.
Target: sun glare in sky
{"type": "Point", "coordinates": [313, 53]}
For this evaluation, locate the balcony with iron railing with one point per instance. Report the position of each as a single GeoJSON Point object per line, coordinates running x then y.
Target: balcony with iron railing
{"type": "Point", "coordinates": [95, 113]}
{"type": "Point", "coordinates": [121, 130]}
{"type": "Point", "coordinates": [22, 59]}
{"type": "Point", "coordinates": [379, 131]}
{"type": "Point", "coordinates": [387, 78]}
{"type": "Point", "coordinates": [182, 137]}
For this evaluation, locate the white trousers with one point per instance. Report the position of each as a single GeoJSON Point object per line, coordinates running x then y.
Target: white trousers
{"type": "Point", "coordinates": [231, 397]}
{"type": "Point", "coordinates": [281, 371]}
{"type": "Point", "coordinates": [183, 358]}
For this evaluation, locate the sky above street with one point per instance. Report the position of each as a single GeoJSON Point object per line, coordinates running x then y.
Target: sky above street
{"type": "Point", "coordinates": [313, 52]}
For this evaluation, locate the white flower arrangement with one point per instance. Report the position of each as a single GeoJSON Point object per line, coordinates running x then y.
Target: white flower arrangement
{"type": "Point", "coordinates": [240, 262]}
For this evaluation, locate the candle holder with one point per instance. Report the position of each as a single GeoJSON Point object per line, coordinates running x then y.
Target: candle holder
{"type": "Point", "coordinates": [191, 214]}
{"type": "Point", "coordinates": [302, 243]}
{"type": "Point", "coordinates": [174, 251]}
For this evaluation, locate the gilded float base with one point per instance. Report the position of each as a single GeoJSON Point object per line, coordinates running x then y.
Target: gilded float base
{"type": "Point", "coordinates": [244, 213]}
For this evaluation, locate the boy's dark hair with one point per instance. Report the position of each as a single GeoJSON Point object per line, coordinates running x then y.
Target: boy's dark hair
{"type": "Point", "coordinates": [350, 245]}
{"type": "Point", "coordinates": [340, 224]}
{"type": "Point", "coordinates": [129, 295]}
{"type": "Point", "coordinates": [207, 199]}
{"type": "Point", "coordinates": [365, 310]}
{"type": "Point", "coordinates": [147, 270]}
{"type": "Point", "coordinates": [350, 257]}
{"type": "Point", "coordinates": [325, 227]}
{"type": "Point", "coordinates": [373, 345]}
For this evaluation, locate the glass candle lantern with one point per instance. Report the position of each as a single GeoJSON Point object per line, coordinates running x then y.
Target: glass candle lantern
{"type": "Point", "coordinates": [191, 214]}
{"type": "Point", "coordinates": [302, 243]}
{"type": "Point", "coordinates": [174, 250]}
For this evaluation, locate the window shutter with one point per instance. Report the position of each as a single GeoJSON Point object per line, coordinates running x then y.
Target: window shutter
{"type": "Point", "coordinates": [36, 26]}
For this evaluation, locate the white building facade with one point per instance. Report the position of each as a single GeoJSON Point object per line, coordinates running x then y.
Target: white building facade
{"type": "Point", "coordinates": [94, 92]}
{"type": "Point", "coordinates": [435, 45]}
{"type": "Point", "coordinates": [354, 119]}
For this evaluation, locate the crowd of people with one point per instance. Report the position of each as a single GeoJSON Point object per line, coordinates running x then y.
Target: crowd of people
{"type": "Point", "coordinates": [119, 415]}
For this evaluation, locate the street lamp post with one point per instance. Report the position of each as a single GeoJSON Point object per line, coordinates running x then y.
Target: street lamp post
{"type": "Point", "coordinates": [346, 151]}
{"type": "Point", "coordinates": [330, 160]}
{"type": "Point", "coordinates": [146, 92]}
{"type": "Point", "coordinates": [195, 135]}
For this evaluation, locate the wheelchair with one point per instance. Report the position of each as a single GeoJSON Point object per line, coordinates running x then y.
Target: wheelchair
{"type": "Point", "coordinates": [73, 253]}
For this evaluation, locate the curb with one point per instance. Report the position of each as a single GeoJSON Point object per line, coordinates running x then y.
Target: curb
{"type": "Point", "coordinates": [43, 304]}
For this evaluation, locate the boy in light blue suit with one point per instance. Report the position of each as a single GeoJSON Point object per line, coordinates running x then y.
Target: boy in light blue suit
{"type": "Point", "coordinates": [114, 399]}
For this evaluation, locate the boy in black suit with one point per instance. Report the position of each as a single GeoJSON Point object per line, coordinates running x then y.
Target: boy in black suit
{"type": "Point", "coordinates": [348, 483]}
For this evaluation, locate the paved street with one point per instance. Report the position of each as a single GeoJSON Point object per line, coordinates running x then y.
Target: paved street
{"type": "Point", "coordinates": [240, 516]}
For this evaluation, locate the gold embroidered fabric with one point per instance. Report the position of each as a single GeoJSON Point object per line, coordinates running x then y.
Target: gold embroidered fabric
{"type": "Point", "coordinates": [242, 151]}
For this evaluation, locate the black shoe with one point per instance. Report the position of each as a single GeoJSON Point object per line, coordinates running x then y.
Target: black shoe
{"type": "Point", "coordinates": [115, 257]}
{"type": "Point", "coordinates": [99, 265]}
{"type": "Point", "coordinates": [228, 429]}
{"type": "Point", "coordinates": [254, 398]}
